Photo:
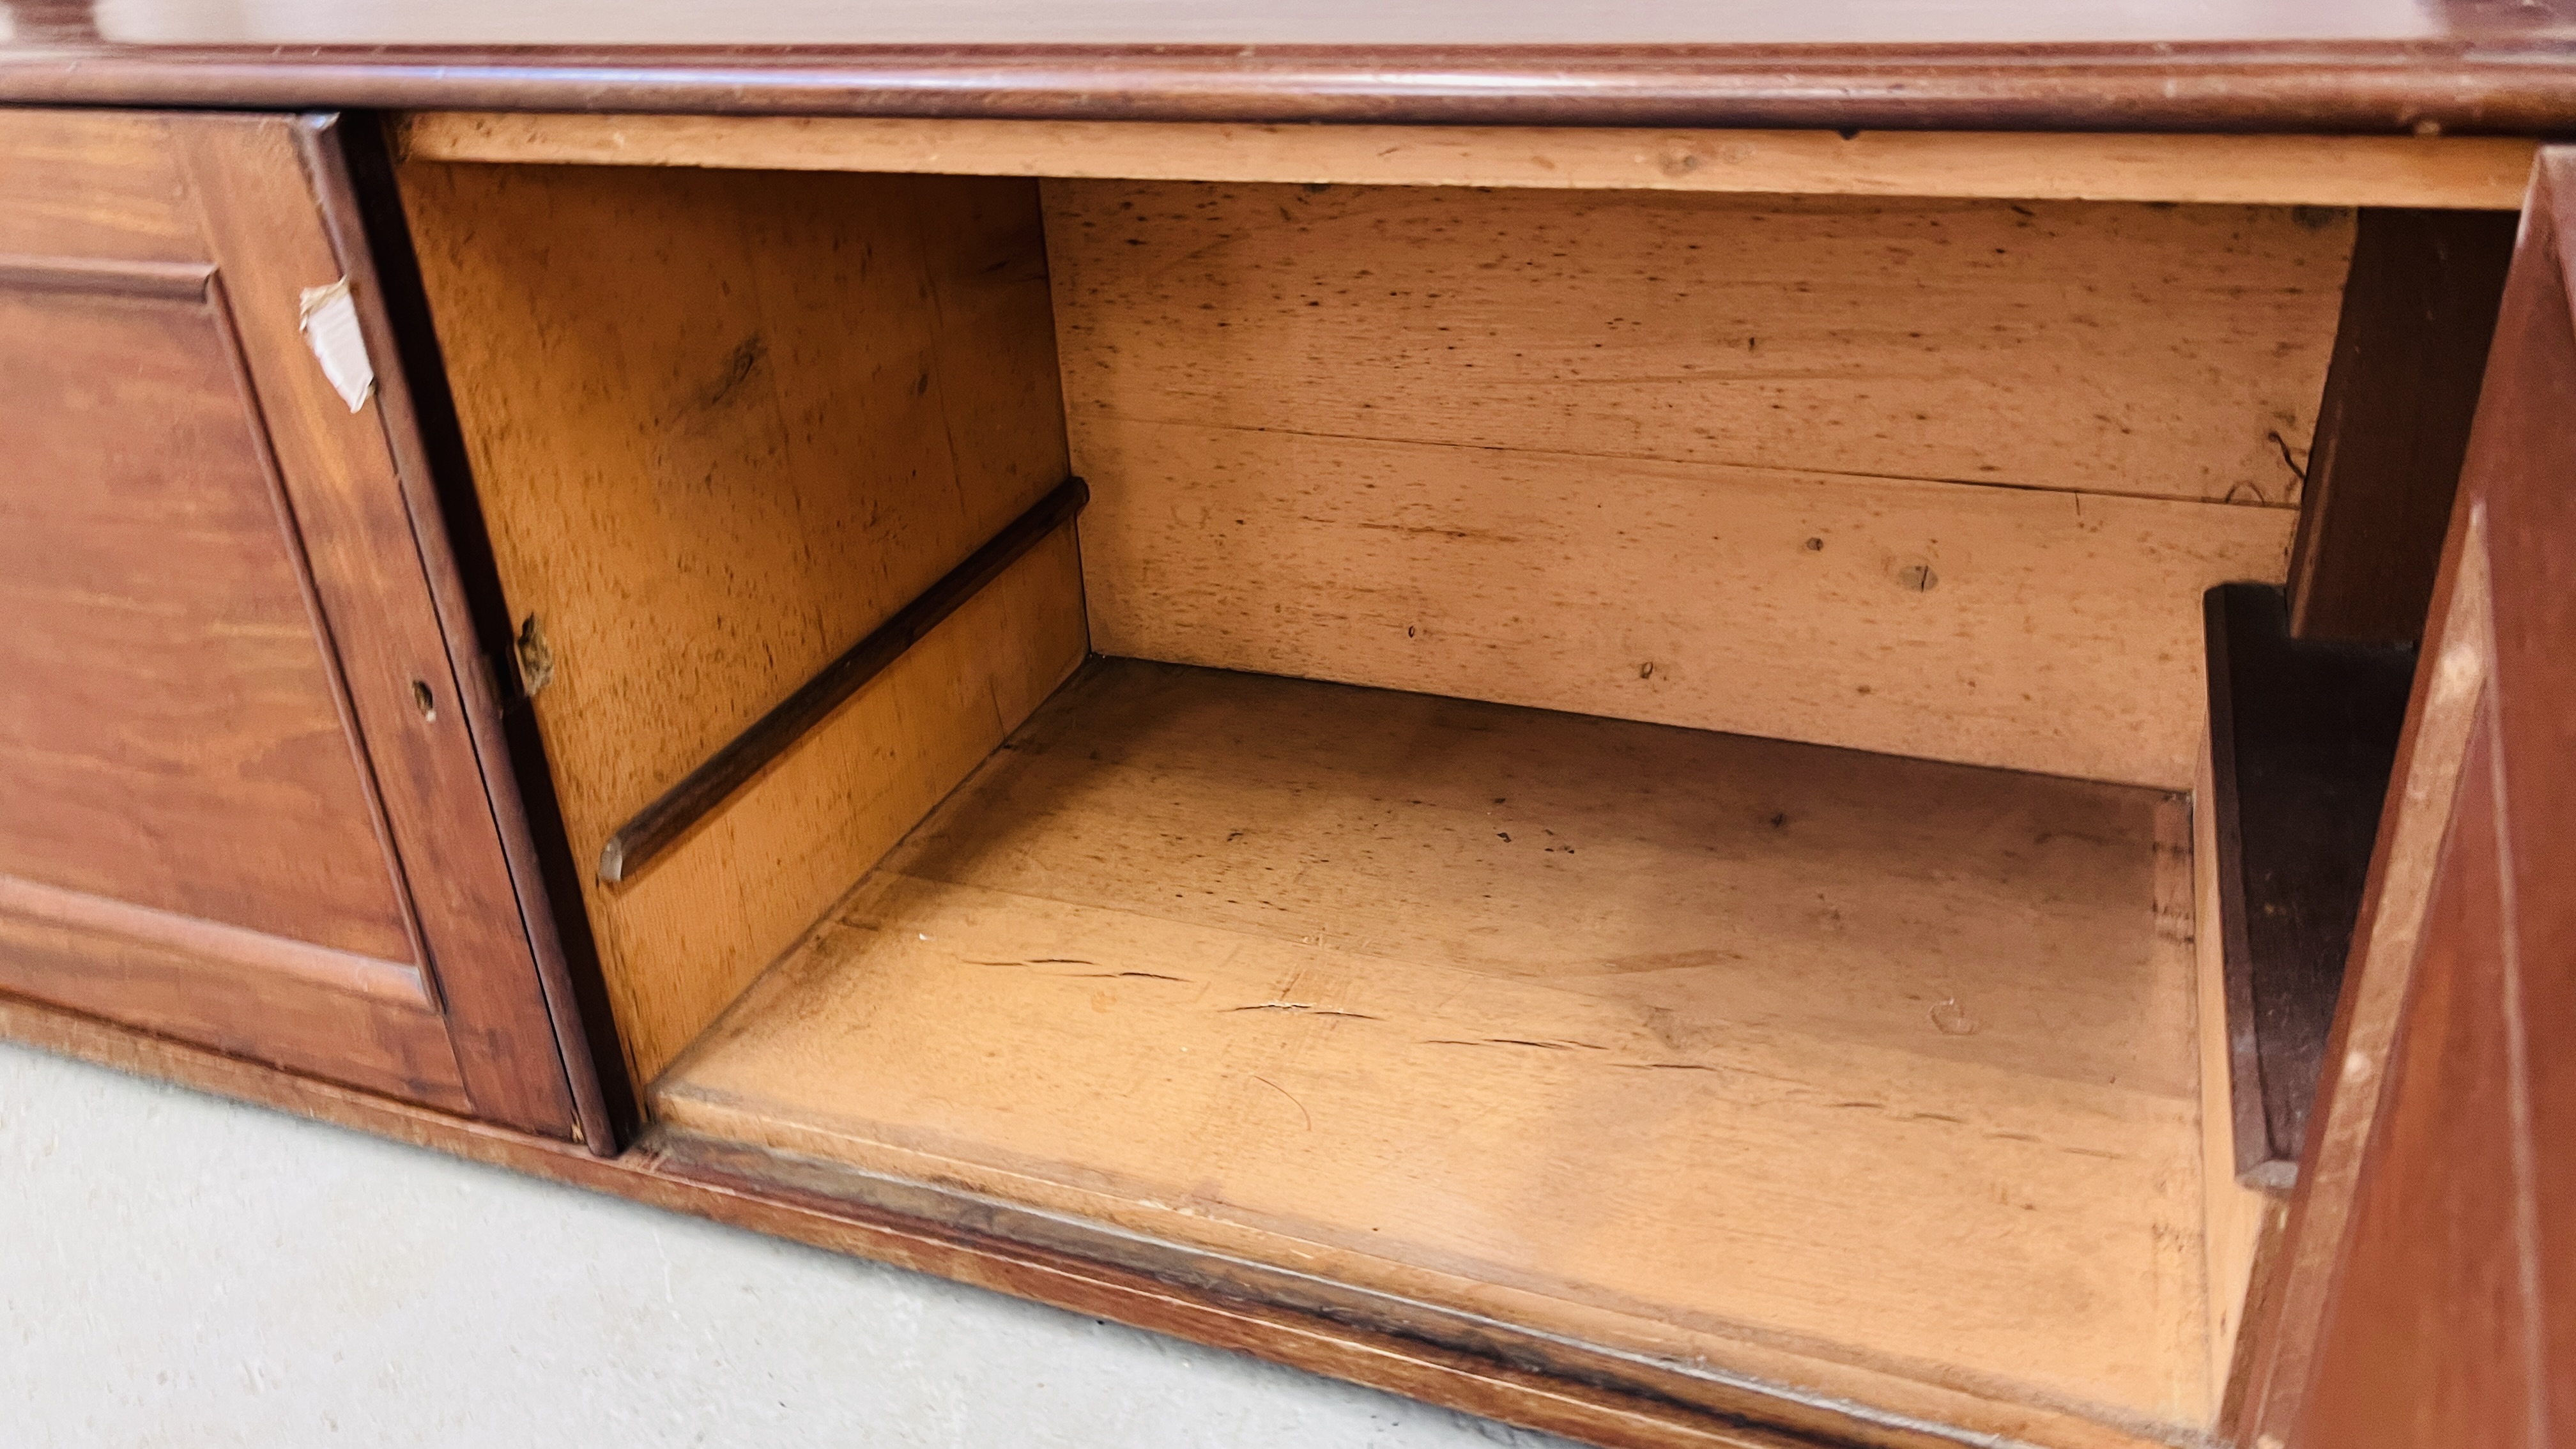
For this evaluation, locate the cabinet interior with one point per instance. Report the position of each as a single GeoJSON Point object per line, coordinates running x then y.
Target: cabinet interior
{"type": "Point", "coordinates": [1613, 762]}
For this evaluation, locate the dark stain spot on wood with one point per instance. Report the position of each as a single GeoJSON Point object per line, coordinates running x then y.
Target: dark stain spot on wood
{"type": "Point", "coordinates": [739, 365]}
{"type": "Point", "coordinates": [2282, 446]}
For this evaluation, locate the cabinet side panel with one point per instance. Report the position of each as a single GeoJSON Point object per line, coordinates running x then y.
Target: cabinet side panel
{"type": "Point", "coordinates": [722, 425]}
{"type": "Point", "coordinates": [697, 925]}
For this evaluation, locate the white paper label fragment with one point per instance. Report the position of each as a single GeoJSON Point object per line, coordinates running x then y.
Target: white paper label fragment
{"type": "Point", "coordinates": [331, 330]}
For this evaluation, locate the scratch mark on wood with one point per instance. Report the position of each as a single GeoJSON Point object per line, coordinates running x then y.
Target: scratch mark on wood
{"type": "Point", "coordinates": [1303, 1006]}
{"type": "Point", "coordinates": [1083, 975]}
{"type": "Point", "coordinates": [1292, 1100]}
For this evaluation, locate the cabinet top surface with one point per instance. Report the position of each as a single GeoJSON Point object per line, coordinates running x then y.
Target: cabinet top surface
{"type": "Point", "coordinates": [2245, 65]}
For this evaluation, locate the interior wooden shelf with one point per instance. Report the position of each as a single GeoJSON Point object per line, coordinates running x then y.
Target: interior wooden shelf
{"type": "Point", "coordinates": [2469, 172]}
{"type": "Point", "coordinates": [1869, 1075]}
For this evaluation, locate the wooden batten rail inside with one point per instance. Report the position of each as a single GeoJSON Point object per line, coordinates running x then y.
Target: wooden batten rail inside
{"type": "Point", "coordinates": [659, 825]}
{"type": "Point", "coordinates": [2437, 172]}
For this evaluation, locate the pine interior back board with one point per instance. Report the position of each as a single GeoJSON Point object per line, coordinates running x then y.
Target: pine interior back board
{"type": "Point", "coordinates": [1937, 478]}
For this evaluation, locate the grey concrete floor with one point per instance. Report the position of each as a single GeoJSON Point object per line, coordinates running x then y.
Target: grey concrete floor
{"type": "Point", "coordinates": [178, 1270]}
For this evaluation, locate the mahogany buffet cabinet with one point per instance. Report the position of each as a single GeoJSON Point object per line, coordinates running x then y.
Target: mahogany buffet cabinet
{"type": "Point", "coordinates": [1805, 732]}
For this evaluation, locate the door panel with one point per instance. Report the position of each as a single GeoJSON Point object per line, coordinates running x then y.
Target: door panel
{"type": "Point", "coordinates": [173, 734]}
{"type": "Point", "coordinates": [239, 802]}
{"type": "Point", "coordinates": [2428, 1296]}
{"type": "Point", "coordinates": [2432, 1257]}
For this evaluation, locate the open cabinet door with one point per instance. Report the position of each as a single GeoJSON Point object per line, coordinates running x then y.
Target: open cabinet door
{"type": "Point", "coordinates": [241, 800]}
{"type": "Point", "coordinates": [2428, 1293]}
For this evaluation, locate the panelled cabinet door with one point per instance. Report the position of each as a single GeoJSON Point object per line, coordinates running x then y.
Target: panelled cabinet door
{"type": "Point", "coordinates": [2428, 1296]}
{"type": "Point", "coordinates": [239, 803]}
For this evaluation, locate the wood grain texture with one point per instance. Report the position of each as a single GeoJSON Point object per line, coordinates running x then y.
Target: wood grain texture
{"type": "Point", "coordinates": [2303, 735]}
{"type": "Point", "coordinates": [2241, 1225]}
{"type": "Point", "coordinates": [1500, 29]}
{"type": "Point", "coordinates": [2441, 715]}
{"type": "Point", "coordinates": [95, 185]}
{"type": "Point", "coordinates": [255, 190]}
{"type": "Point", "coordinates": [2418, 310]}
{"type": "Point", "coordinates": [39, 906]}
{"type": "Point", "coordinates": [2448, 1304]}
{"type": "Point", "coordinates": [2472, 172]}
{"type": "Point", "coordinates": [172, 734]}
{"type": "Point", "coordinates": [2243, 67]}
{"type": "Point", "coordinates": [1506, 421]}
{"type": "Point", "coordinates": [1873, 337]}
{"type": "Point", "coordinates": [2057, 632]}
{"type": "Point", "coordinates": [2534, 782]}
{"type": "Point", "coordinates": [194, 841]}
{"type": "Point", "coordinates": [361, 210]}
{"type": "Point", "coordinates": [689, 935]}
{"type": "Point", "coordinates": [175, 281]}
{"type": "Point", "coordinates": [226, 997]}
{"type": "Point", "coordinates": [722, 426]}
{"type": "Point", "coordinates": [1698, 1047]}
{"type": "Point", "coordinates": [233, 816]}
{"type": "Point", "coordinates": [2428, 1337]}
{"type": "Point", "coordinates": [1635, 1409]}
{"type": "Point", "coordinates": [713, 784]}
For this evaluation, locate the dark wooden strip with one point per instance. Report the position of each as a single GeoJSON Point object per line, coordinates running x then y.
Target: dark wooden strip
{"type": "Point", "coordinates": [2418, 310]}
{"type": "Point", "coordinates": [2303, 735]}
{"type": "Point", "coordinates": [660, 824]}
{"type": "Point", "coordinates": [2499, 86]}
